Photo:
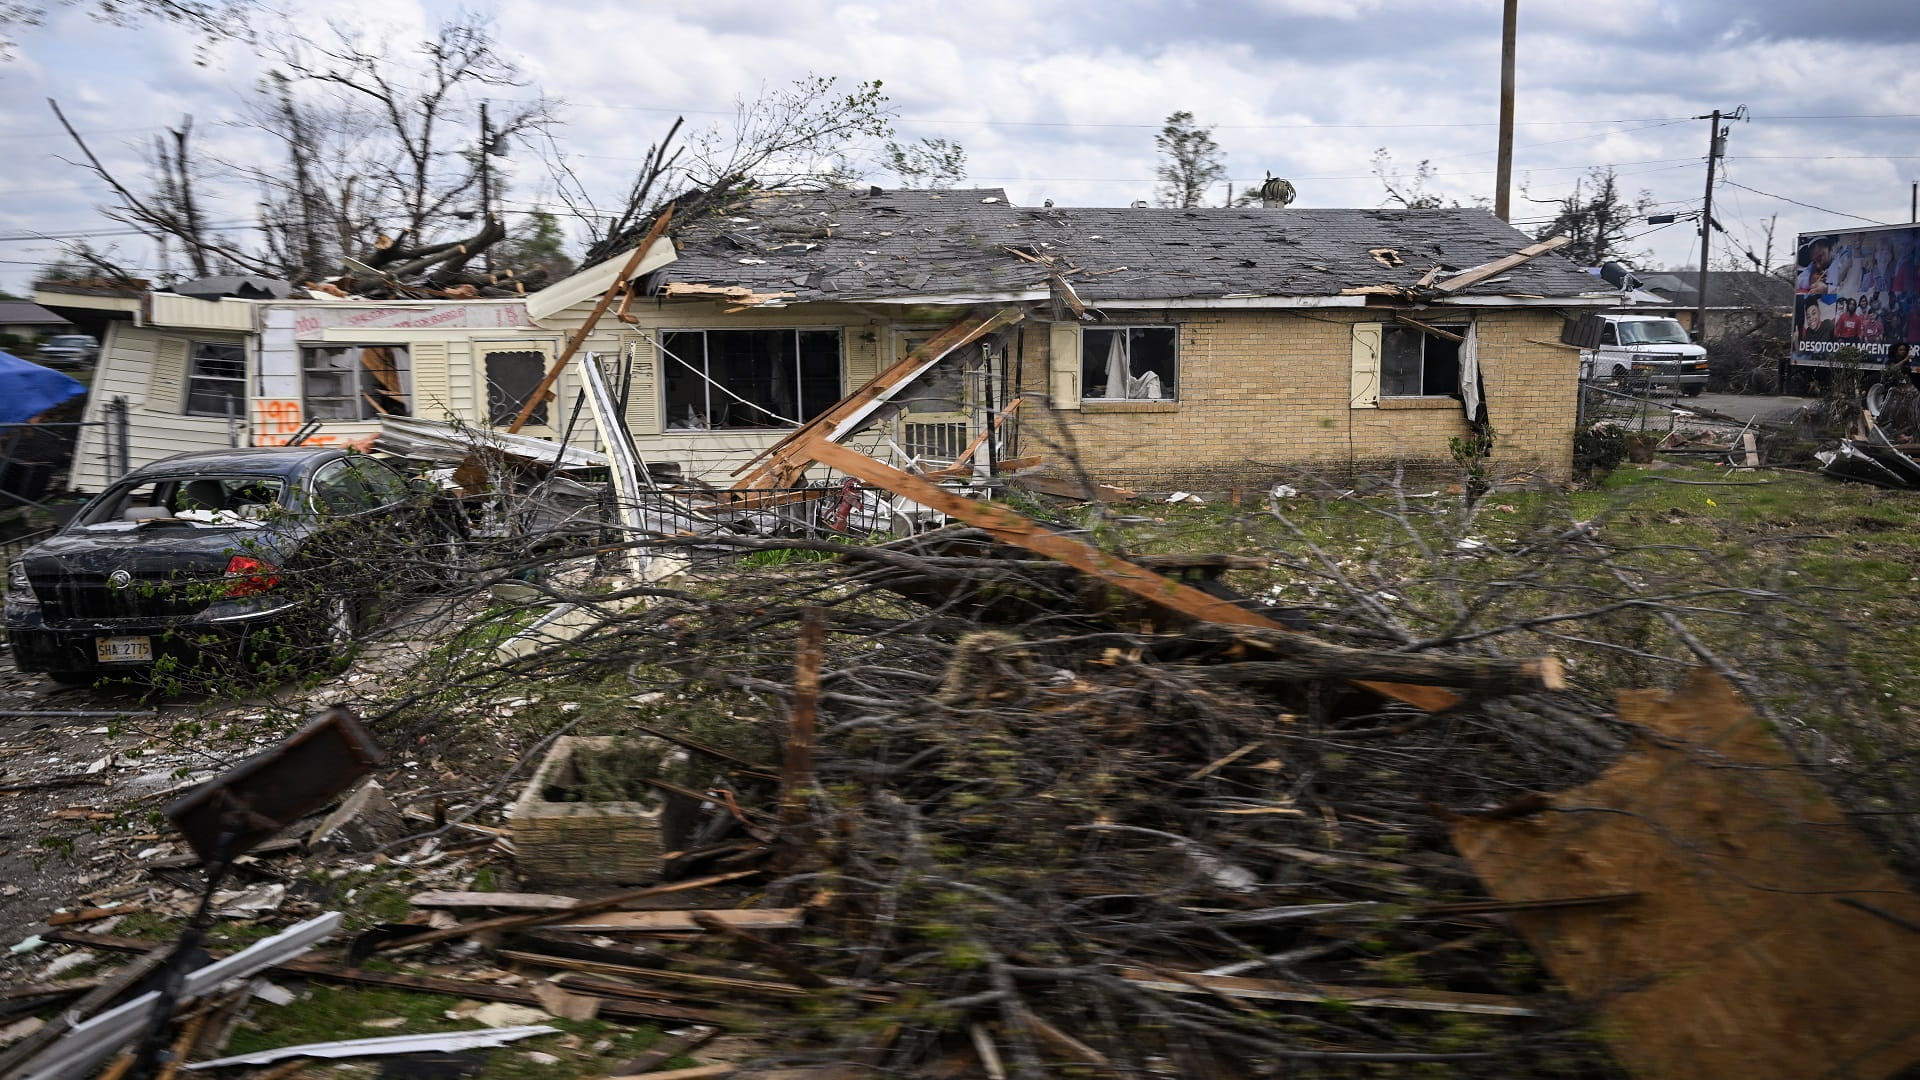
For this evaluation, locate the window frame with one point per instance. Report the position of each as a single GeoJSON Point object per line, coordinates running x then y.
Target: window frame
{"type": "Point", "coordinates": [192, 378]}
{"type": "Point", "coordinates": [364, 382]}
{"type": "Point", "coordinates": [669, 360]}
{"type": "Point", "coordinates": [1426, 340]}
{"type": "Point", "coordinates": [510, 410]}
{"type": "Point", "coordinates": [1127, 330]}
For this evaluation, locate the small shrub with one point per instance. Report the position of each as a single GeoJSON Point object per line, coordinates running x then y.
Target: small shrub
{"type": "Point", "coordinates": [1598, 450]}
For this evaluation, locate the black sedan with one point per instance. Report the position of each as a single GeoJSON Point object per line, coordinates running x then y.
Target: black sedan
{"type": "Point", "coordinates": [268, 556]}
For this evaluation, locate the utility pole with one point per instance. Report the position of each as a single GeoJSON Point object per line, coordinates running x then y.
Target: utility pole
{"type": "Point", "coordinates": [486, 183]}
{"type": "Point", "coordinates": [1503, 170]}
{"type": "Point", "coordinates": [1716, 145]}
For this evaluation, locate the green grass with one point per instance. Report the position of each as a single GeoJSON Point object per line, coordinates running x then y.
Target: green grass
{"type": "Point", "coordinates": [1814, 585]}
{"type": "Point", "coordinates": [328, 1013]}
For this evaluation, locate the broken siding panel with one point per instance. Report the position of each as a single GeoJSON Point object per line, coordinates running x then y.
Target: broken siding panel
{"type": "Point", "coordinates": [572, 384]}
{"type": "Point", "coordinates": [1063, 365]}
{"type": "Point", "coordinates": [1365, 387]}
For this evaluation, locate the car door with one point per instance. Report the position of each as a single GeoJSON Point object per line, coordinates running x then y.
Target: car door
{"type": "Point", "coordinates": [360, 527]}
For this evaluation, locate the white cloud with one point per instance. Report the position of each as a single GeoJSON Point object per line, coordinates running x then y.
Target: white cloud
{"type": "Point", "coordinates": [1061, 100]}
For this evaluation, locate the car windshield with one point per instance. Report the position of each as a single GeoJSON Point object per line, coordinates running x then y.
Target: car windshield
{"type": "Point", "coordinates": [198, 502]}
{"type": "Point", "coordinates": [1656, 332]}
{"type": "Point", "coordinates": [70, 339]}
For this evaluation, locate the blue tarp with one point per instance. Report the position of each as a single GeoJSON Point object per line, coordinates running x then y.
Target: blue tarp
{"type": "Point", "coordinates": [27, 389]}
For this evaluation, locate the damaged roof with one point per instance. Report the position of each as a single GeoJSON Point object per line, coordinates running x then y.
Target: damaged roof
{"type": "Point", "coordinates": [901, 244]}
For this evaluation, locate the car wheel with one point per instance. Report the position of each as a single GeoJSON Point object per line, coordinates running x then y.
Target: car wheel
{"type": "Point", "coordinates": [1692, 391]}
{"type": "Point", "coordinates": [456, 555]}
{"type": "Point", "coordinates": [339, 623]}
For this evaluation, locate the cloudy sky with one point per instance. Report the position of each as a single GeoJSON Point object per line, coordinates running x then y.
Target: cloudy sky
{"type": "Point", "coordinates": [1061, 100]}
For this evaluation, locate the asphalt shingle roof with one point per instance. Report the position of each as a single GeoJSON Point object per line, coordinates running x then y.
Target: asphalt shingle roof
{"type": "Point", "coordinates": [27, 313]}
{"type": "Point", "coordinates": [1725, 288]}
{"type": "Point", "coordinates": [848, 245]}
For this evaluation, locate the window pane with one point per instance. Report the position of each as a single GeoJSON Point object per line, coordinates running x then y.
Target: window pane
{"type": "Point", "coordinates": [683, 363]}
{"type": "Point", "coordinates": [382, 484]}
{"type": "Point", "coordinates": [755, 377]}
{"type": "Point", "coordinates": [1400, 352]}
{"type": "Point", "coordinates": [511, 379]}
{"type": "Point", "coordinates": [323, 408]}
{"type": "Point", "coordinates": [214, 397]}
{"type": "Point", "coordinates": [337, 491]}
{"type": "Point", "coordinates": [1139, 363]}
{"type": "Point", "coordinates": [1103, 363]}
{"type": "Point", "coordinates": [819, 372]}
{"type": "Point", "coordinates": [1152, 352]}
{"type": "Point", "coordinates": [1440, 374]}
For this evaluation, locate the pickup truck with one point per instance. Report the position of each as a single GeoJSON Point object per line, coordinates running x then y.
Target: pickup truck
{"type": "Point", "coordinates": [1638, 351]}
{"type": "Point", "coordinates": [69, 351]}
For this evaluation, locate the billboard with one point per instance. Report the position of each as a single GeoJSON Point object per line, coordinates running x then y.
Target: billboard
{"type": "Point", "coordinates": [1857, 289]}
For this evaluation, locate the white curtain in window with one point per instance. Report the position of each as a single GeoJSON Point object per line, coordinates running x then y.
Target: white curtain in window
{"type": "Point", "coordinates": [1117, 364]}
{"type": "Point", "coordinates": [1470, 372]}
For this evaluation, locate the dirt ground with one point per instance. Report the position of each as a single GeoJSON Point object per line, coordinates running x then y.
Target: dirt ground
{"type": "Point", "coordinates": [117, 759]}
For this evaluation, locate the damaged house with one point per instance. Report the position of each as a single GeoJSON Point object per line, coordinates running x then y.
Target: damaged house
{"type": "Point", "coordinates": [1151, 348]}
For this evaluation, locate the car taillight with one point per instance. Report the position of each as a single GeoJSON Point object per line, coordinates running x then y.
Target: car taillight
{"type": "Point", "coordinates": [247, 576]}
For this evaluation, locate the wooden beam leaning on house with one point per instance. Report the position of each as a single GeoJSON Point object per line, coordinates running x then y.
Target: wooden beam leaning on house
{"type": "Point", "coordinates": [1484, 271]}
{"type": "Point", "coordinates": [1011, 527]}
{"type": "Point", "coordinates": [783, 462]}
{"type": "Point", "coordinates": [541, 391]}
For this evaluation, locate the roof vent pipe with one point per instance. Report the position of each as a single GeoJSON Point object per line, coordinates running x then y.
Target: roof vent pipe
{"type": "Point", "coordinates": [1276, 193]}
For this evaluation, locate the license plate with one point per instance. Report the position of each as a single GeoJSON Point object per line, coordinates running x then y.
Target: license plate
{"type": "Point", "coordinates": [123, 650]}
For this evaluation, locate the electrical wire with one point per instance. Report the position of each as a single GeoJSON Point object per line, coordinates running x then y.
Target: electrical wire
{"type": "Point", "coordinates": [1810, 206]}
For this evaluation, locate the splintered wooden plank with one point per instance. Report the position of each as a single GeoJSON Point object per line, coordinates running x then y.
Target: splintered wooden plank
{"type": "Point", "coordinates": [1370, 997]}
{"type": "Point", "coordinates": [505, 901]}
{"type": "Point", "coordinates": [1767, 940]}
{"type": "Point", "coordinates": [685, 921]}
{"type": "Point", "coordinates": [1011, 527]}
{"type": "Point", "coordinates": [1484, 271]}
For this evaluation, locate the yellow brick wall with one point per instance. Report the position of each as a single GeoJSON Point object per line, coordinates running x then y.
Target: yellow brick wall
{"type": "Point", "coordinates": [1266, 393]}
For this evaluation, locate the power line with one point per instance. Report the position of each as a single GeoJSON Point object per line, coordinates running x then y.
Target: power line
{"type": "Point", "coordinates": [990, 122]}
{"type": "Point", "coordinates": [1810, 206]}
{"type": "Point", "coordinates": [1840, 116]}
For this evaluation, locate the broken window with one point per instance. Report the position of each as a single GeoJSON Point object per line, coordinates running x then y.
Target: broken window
{"type": "Point", "coordinates": [1414, 363]}
{"type": "Point", "coordinates": [1136, 363]}
{"type": "Point", "coordinates": [512, 377]}
{"type": "Point", "coordinates": [748, 378]}
{"type": "Point", "coordinates": [354, 382]}
{"type": "Point", "coordinates": [216, 379]}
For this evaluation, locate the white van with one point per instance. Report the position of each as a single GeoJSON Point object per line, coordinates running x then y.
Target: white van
{"type": "Point", "coordinates": [1637, 350]}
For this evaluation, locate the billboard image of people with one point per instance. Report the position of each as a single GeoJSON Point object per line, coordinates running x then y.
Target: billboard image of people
{"type": "Point", "coordinates": [1857, 290]}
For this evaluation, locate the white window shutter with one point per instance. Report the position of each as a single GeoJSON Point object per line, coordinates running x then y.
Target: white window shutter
{"type": "Point", "coordinates": [432, 390]}
{"type": "Point", "coordinates": [643, 394]}
{"type": "Point", "coordinates": [1366, 366]}
{"type": "Point", "coordinates": [862, 353]}
{"type": "Point", "coordinates": [1063, 365]}
{"type": "Point", "coordinates": [167, 378]}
